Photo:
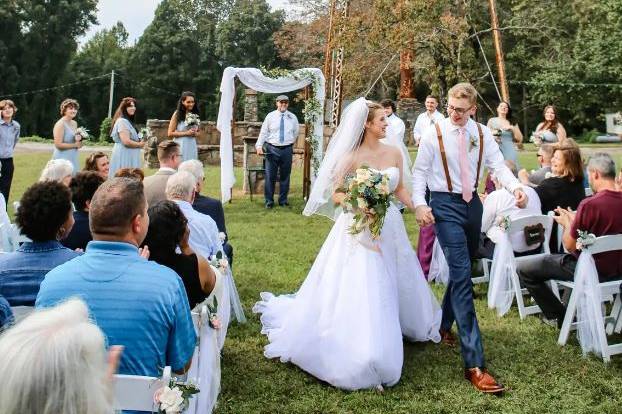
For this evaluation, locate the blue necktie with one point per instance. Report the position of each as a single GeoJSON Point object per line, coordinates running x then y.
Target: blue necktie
{"type": "Point", "coordinates": [282, 129]}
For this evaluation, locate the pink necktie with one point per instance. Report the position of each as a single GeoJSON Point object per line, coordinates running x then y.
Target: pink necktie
{"type": "Point", "coordinates": [465, 168]}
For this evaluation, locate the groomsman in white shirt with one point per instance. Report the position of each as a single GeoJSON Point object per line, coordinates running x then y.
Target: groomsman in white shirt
{"type": "Point", "coordinates": [451, 158]}
{"type": "Point", "coordinates": [278, 134]}
{"type": "Point", "coordinates": [396, 126]}
{"type": "Point", "coordinates": [426, 119]}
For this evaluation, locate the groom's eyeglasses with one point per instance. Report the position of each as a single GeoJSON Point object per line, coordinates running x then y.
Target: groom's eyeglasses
{"type": "Point", "coordinates": [459, 111]}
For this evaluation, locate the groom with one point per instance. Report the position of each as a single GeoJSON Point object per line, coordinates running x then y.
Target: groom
{"type": "Point", "coordinates": [450, 160]}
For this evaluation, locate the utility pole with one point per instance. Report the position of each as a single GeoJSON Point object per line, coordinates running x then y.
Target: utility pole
{"type": "Point", "coordinates": [496, 37]}
{"type": "Point", "coordinates": [111, 94]}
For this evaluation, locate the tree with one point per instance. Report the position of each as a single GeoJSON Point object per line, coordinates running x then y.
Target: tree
{"type": "Point", "coordinates": [46, 43]}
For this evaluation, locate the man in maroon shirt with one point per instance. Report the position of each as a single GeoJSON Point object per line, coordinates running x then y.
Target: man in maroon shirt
{"type": "Point", "coordinates": [600, 215]}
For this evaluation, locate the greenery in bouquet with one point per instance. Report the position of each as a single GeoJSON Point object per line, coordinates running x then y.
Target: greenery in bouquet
{"type": "Point", "coordinates": [174, 397]}
{"type": "Point", "coordinates": [368, 196]}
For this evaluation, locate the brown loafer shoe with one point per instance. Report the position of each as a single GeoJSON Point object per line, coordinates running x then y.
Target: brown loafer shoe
{"type": "Point", "coordinates": [448, 338]}
{"type": "Point", "coordinates": [483, 381]}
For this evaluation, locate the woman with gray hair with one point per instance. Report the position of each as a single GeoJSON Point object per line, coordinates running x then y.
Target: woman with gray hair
{"type": "Point", "coordinates": [59, 170]}
{"type": "Point", "coordinates": [54, 361]}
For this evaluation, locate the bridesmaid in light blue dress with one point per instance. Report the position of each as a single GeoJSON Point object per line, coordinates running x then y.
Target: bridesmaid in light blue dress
{"type": "Point", "coordinates": [66, 141]}
{"type": "Point", "coordinates": [126, 152]}
{"type": "Point", "coordinates": [550, 130]}
{"type": "Point", "coordinates": [505, 132]}
{"type": "Point", "coordinates": [180, 132]}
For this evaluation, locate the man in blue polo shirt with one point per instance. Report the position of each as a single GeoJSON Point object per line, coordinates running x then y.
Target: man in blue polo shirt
{"type": "Point", "coordinates": [137, 303]}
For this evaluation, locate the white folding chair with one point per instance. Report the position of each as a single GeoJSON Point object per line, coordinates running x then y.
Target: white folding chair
{"type": "Point", "coordinates": [515, 227]}
{"type": "Point", "coordinates": [135, 392]}
{"type": "Point", "coordinates": [6, 236]}
{"type": "Point", "coordinates": [611, 322]}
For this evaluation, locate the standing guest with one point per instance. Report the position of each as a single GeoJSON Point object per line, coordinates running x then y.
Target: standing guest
{"type": "Point", "coordinates": [182, 134]}
{"type": "Point", "coordinates": [57, 170]}
{"type": "Point", "coordinates": [127, 144]}
{"type": "Point", "coordinates": [394, 135]}
{"type": "Point", "coordinates": [277, 137]}
{"type": "Point", "coordinates": [169, 156]}
{"type": "Point", "coordinates": [83, 187]}
{"type": "Point", "coordinates": [138, 304]}
{"type": "Point", "coordinates": [133, 173]}
{"type": "Point", "coordinates": [203, 230]}
{"type": "Point", "coordinates": [66, 138]}
{"type": "Point", "coordinates": [450, 160]}
{"type": "Point", "coordinates": [545, 153]}
{"type": "Point", "coordinates": [599, 215]}
{"type": "Point", "coordinates": [9, 135]}
{"type": "Point", "coordinates": [54, 361]}
{"type": "Point", "coordinates": [550, 130]}
{"type": "Point", "coordinates": [98, 162]}
{"type": "Point", "coordinates": [430, 117]}
{"type": "Point", "coordinates": [207, 205]}
{"type": "Point", "coordinates": [168, 231]}
{"type": "Point", "coordinates": [506, 131]}
{"type": "Point", "coordinates": [45, 217]}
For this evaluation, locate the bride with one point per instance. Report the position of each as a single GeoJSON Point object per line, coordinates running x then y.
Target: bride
{"type": "Point", "coordinates": [345, 324]}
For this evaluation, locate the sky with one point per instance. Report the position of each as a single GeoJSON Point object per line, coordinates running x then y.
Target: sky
{"type": "Point", "coordinates": [135, 15]}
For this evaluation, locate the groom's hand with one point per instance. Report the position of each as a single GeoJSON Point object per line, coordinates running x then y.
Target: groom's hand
{"type": "Point", "coordinates": [423, 215]}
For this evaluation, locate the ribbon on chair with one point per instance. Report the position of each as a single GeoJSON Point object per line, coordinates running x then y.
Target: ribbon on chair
{"type": "Point", "coordinates": [500, 287]}
{"type": "Point", "coordinates": [439, 269]}
{"type": "Point", "coordinates": [590, 323]}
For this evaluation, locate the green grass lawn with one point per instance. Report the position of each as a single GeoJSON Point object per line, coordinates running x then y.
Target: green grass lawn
{"type": "Point", "coordinates": [273, 252]}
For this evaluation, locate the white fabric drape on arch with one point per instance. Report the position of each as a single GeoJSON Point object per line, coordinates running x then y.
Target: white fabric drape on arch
{"type": "Point", "coordinates": [255, 79]}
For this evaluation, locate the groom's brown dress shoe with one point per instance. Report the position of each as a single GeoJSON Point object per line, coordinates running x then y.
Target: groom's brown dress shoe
{"type": "Point", "coordinates": [483, 381]}
{"type": "Point", "coordinates": [448, 338]}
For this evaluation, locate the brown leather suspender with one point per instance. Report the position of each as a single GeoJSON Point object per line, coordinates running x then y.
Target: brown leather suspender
{"type": "Point", "coordinates": [443, 157]}
{"type": "Point", "coordinates": [441, 146]}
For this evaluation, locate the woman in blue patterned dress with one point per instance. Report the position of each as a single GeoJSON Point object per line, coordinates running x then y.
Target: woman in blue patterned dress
{"type": "Point", "coordinates": [66, 139]}
{"type": "Point", "coordinates": [127, 145]}
{"type": "Point", "coordinates": [178, 130]}
{"type": "Point", "coordinates": [506, 132]}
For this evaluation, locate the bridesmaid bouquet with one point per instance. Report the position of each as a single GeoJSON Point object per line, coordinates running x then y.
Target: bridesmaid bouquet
{"type": "Point", "coordinates": [83, 133]}
{"type": "Point", "coordinates": [368, 196]}
{"type": "Point", "coordinates": [192, 120]}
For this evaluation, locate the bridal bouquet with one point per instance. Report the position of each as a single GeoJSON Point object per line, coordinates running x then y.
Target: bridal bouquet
{"type": "Point", "coordinates": [192, 120]}
{"type": "Point", "coordinates": [367, 197]}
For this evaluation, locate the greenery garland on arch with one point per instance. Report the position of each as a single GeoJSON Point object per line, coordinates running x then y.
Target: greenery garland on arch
{"type": "Point", "coordinates": [312, 109]}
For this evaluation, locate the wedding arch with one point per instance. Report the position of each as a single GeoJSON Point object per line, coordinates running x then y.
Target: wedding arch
{"type": "Point", "coordinates": [273, 81]}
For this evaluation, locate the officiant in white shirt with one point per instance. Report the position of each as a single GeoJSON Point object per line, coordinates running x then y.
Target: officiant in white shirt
{"type": "Point", "coordinates": [426, 119]}
{"type": "Point", "coordinates": [278, 134]}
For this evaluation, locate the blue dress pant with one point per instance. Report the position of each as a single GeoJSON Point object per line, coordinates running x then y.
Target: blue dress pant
{"type": "Point", "coordinates": [458, 225]}
{"type": "Point", "coordinates": [278, 161]}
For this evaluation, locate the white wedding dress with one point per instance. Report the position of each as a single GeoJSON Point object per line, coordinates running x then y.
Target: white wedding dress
{"type": "Point", "coordinates": [345, 324]}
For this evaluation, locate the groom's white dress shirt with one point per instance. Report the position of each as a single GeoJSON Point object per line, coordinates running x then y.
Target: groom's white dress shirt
{"type": "Point", "coordinates": [204, 238]}
{"type": "Point", "coordinates": [396, 127]}
{"type": "Point", "coordinates": [429, 168]}
{"type": "Point", "coordinates": [424, 121]}
{"type": "Point", "coordinates": [270, 129]}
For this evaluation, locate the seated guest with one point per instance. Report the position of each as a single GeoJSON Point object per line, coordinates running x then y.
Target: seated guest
{"type": "Point", "coordinates": [6, 314]}
{"type": "Point", "coordinates": [599, 215]}
{"type": "Point", "coordinates": [207, 205]}
{"type": "Point", "coordinates": [545, 153]}
{"type": "Point", "coordinates": [98, 162]}
{"type": "Point", "coordinates": [57, 170]}
{"type": "Point", "coordinates": [501, 203]}
{"type": "Point", "coordinates": [203, 230]}
{"type": "Point", "coordinates": [169, 156]}
{"type": "Point", "coordinates": [168, 230]}
{"type": "Point", "coordinates": [54, 361]}
{"type": "Point", "coordinates": [133, 173]}
{"type": "Point", "coordinates": [138, 304]}
{"type": "Point", "coordinates": [82, 187]}
{"type": "Point", "coordinates": [44, 216]}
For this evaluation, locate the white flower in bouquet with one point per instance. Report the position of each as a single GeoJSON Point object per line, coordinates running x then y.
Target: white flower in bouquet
{"type": "Point", "coordinates": [171, 400]}
{"type": "Point", "coordinates": [82, 133]}
{"type": "Point", "coordinates": [192, 120]}
{"type": "Point", "coordinates": [585, 239]}
{"type": "Point", "coordinates": [144, 133]}
{"type": "Point", "coordinates": [363, 174]}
